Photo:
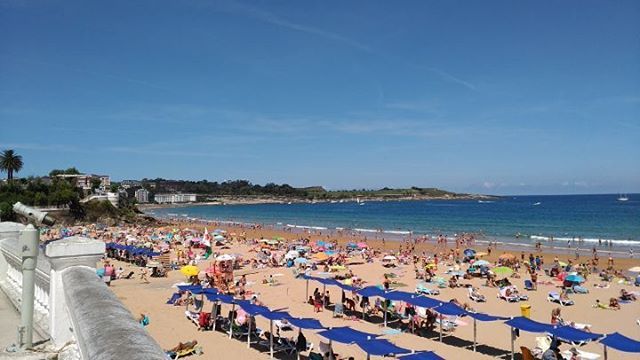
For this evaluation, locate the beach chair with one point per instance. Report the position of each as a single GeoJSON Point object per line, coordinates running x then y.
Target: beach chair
{"type": "Point", "coordinates": [174, 298]}
{"type": "Point", "coordinates": [338, 310]}
{"type": "Point", "coordinates": [423, 290]}
{"type": "Point", "coordinates": [186, 352]}
{"type": "Point", "coordinates": [447, 324]}
{"type": "Point", "coordinates": [502, 294]}
{"type": "Point", "coordinates": [526, 353]}
{"type": "Point", "coordinates": [474, 297]}
{"type": "Point", "coordinates": [528, 285]}
{"type": "Point", "coordinates": [553, 296]}
{"type": "Point", "coordinates": [194, 317]}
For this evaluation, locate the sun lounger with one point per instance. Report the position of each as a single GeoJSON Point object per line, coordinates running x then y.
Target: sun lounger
{"type": "Point", "coordinates": [474, 297]}
{"type": "Point", "coordinates": [582, 355]}
{"type": "Point", "coordinates": [174, 298]}
{"type": "Point", "coordinates": [447, 324]}
{"type": "Point", "coordinates": [194, 317]}
{"type": "Point", "coordinates": [502, 294]}
{"type": "Point", "coordinates": [528, 285]}
{"type": "Point", "coordinates": [421, 289]}
{"type": "Point", "coordinates": [555, 297]}
{"type": "Point", "coordinates": [186, 352]}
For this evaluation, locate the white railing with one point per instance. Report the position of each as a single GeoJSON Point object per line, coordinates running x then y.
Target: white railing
{"type": "Point", "coordinates": [68, 295]}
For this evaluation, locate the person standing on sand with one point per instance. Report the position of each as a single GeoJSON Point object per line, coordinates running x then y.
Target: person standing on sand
{"type": "Point", "coordinates": [143, 275]}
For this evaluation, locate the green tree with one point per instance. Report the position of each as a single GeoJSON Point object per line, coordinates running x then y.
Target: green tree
{"type": "Point", "coordinates": [10, 162]}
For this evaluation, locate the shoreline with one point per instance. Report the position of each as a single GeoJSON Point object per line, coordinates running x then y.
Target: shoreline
{"type": "Point", "coordinates": [399, 237]}
{"type": "Point", "coordinates": [240, 200]}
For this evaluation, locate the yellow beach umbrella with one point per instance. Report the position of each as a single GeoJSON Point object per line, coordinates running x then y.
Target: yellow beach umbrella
{"type": "Point", "coordinates": [320, 256]}
{"type": "Point", "coordinates": [190, 270]}
{"type": "Point", "coordinates": [432, 265]}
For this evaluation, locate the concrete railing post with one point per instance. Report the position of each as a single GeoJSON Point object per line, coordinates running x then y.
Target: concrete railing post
{"type": "Point", "coordinates": [63, 254]}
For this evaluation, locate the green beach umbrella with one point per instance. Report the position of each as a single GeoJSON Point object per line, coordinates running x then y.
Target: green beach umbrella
{"type": "Point", "coordinates": [502, 271]}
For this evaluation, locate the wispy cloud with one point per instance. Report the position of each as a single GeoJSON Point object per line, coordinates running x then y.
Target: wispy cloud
{"type": "Point", "coordinates": [40, 147]}
{"type": "Point", "coordinates": [445, 75]}
{"type": "Point", "coordinates": [273, 19]}
{"type": "Point", "coordinates": [81, 70]}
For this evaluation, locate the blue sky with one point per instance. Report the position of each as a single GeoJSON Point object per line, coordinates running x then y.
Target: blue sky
{"type": "Point", "coordinates": [505, 97]}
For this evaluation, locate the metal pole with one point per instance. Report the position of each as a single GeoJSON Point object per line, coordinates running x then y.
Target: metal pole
{"type": "Point", "coordinates": [306, 292]}
{"type": "Point", "coordinates": [29, 240]}
{"type": "Point", "coordinates": [249, 332]}
{"type": "Point", "coordinates": [271, 338]}
{"type": "Point", "coordinates": [605, 352]}
{"type": "Point", "coordinates": [385, 312]}
{"type": "Point", "coordinates": [513, 339]}
{"type": "Point", "coordinates": [324, 291]}
{"type": "Point", "coordinates": [475, 334]}
{"type": "Point", "coordinates": [215, 314]}
{"type": "Point", "coordinates": [440, 327]}
{"type": "Point", "coordinates": [233, 308]}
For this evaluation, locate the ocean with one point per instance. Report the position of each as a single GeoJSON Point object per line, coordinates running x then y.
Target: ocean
{"type": "Point", "coordinates": [511, 219]}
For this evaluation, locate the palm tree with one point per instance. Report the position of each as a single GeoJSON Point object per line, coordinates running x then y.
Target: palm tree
{"type": "Point", "coordinates": [10, 162]}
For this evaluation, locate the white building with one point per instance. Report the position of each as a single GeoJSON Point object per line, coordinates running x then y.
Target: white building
{"type": "Point", "coordinates": [142, 196]}
{"type": "Point", "coordinates": [174, 198]}
{"type": "Point", "coordinates": [84, 181]}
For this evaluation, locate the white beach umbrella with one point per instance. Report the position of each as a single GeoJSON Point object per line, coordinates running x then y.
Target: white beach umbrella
{"type": "Point", "coordinates": [225, 257]}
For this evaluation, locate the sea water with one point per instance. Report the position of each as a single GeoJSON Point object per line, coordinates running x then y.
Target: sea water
{"type": "Point", "coordinates": [568, 220]}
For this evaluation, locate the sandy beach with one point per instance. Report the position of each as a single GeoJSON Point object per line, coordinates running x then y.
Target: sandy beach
{"type": "Point", "coordinates": [169, 325]}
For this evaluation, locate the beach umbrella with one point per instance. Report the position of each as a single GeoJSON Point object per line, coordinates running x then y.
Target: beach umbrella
{"type": "Point", "coordinates": [432, 266]}
{"type": "Point", "coordinates": [300, 260]}
{"type": "Point", "coordinates": [574, 278]}
{"type": "Point", "coordinates": [225, 257]}
{"type": "Point", "coordinates": [635, 269]}
{"type": "Point", "coordinates": [502, 271]}
{"type": "Point", "coordinates": [190, 270]}
{"type": "Point", "coordinates": [481, 263]}
{"type": "Point", "coordinates": [507, 257]}
{"type": "Point", "coordinates": [362, 245]}
{"type": "Point", "coordinates": [562, 263]}
{"type": "Point", "coordinates": [320, 256]}
{"type": "Point", "coordinates": [469, 253]}
{"type": "Point", "coordinates": [218, 237]}
{"type": "Point", "coordinates": [390, 258]}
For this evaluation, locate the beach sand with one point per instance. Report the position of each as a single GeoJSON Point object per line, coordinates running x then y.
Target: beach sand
{"type": "Point", "coordinates": [169, 325]}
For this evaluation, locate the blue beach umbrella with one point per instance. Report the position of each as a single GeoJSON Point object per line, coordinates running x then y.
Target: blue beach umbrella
{"type": "Point", "coordinates": [575, 278]}
{"type": "Point", "coordinates": [300, 260]}
{"type": "Point", "coordinates": [481, 263]}
{"type": "Point", "coordinates": [469, 253]}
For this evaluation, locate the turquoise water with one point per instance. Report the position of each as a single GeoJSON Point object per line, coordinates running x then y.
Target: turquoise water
{"type": "Point", "coordinates": [535, 218]}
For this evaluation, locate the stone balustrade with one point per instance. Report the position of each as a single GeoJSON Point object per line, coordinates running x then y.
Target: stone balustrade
{"type": "Point", "coordinates": [71, 301]}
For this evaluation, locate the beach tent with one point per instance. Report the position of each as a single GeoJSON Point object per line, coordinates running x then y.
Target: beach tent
{"type": "Point", "coordinates": [346, 335]}
{"type": "Point", "coordinates": [225, 257]}
{"type": "Point", "coordinates": [571, 334]}
{"type": "Point", "coordinates": [305, 323]}
{"type": "Point", "coordinates": [422, 355]}
{"type": "Point", "coordinates": [525, 324]}
{"type": "Point", "coordinates": [380, 347]}
{"type": "Point", "coordinates": [620, 343]}
{"type": "Point", "coordinates": [275, 315]}
{"type": "Point", "coordinates": [481, 317]}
